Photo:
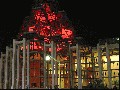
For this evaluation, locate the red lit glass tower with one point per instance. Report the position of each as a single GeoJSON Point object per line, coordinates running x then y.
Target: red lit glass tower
{"type": "Point", "coordinates": [45, 24]}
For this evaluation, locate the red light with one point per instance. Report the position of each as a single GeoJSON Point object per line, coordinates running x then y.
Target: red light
{"type": "Point", "coordinates": [51, 17]}
{"type": "Point", "coordinates": [66, 33]}
{"type": "Point", "coordinates": [31, 28]}
{"type": "Point", "coordinates": [48, 24]}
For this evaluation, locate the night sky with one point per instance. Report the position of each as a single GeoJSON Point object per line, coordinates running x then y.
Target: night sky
{"type": "Point", "coordinates": [91, 19]}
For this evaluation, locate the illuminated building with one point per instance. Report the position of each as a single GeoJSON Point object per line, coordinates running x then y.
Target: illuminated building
{"type": "Point", "coordinates": [48, 32]}
{"type": "Point", "coordinates": [96, 63]}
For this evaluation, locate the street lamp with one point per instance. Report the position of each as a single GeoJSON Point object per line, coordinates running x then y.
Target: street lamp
{"type": "Point", "coordinates": [48, 57]}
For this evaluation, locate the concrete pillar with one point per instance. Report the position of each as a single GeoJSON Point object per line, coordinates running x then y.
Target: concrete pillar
{"type": "Point", "coordinates": [86, 66]}
{"type": "Point", "coordinates": [23, 67]}
{"type": "Point", "coordinates": [108, 65]}
{"type": "Point", "coordinates": [99, 61]}
{"type": "Point", "coordinates": [18, 55]}
{"type": "Point", "coordinates": [6, 69]}
{"type": "Point", "coordinates": [52, 62]}
{"type": "Point", "coordinates": [59, 75]}
{"type": "Point", "coordinates": [45, 76]}
{"type": "Point", "coordinates": [71, 68]}
{"type": "Point", "coordinates": [56, 66]}
{"type": "Point", "coordinates": [79, 68]}
{"type": "Point", "coordinates": [10, 68]}
{"type": "Point", "coordinates": [93, 62]}
{"type": "Point", "coordinates": [13, 64]}
{"type": "Point", "coordinates": [28, 65]}
{"type": "Point", "coordinates": [1, 69]}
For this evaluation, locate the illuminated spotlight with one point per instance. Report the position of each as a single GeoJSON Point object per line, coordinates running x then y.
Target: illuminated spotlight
{"type": "Point", "coordinates": [47, 58]}
{"type": "Point", "coordinates": [117, 38]}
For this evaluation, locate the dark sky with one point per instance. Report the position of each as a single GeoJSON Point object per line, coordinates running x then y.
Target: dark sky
{"type": "Point", "coordinates": [91, 19]}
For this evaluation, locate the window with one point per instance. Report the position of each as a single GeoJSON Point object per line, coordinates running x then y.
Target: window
{"type": "Point", "coordinates": [97, 73]}
{"type": "Point", "coordinates": [114, 73]}
{"type": "Point", "coordinates": [96, 60]}
{"type": "Point", "coordinates": [105, 73]}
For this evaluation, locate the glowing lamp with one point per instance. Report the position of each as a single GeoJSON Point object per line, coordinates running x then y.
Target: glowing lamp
{"type": "Point", "coordinates": [47, 58]}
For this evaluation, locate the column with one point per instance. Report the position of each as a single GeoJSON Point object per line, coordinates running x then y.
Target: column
{"type": "Point", "coordinates": [71, 68]}
{"type": "Point", "coordinates": [99, 61]}
{"type": "Point", "coordinates": [18, 54]}
{"type": "Point", "coordinates": [13, 64]}
{"type": "Point", "coordinates": [1, 69]}
{"type": "Point", "coordinates": [23, 67]}
{"type": "Point", "coordinates": [108, 65]}
{"type": "Point", "coordinates": [56, 65]}
{"type": "Point", "coordinates": [45, 76]}
{"type": "Point", "coordinates": [6, 69]}
{"type": "Point", "coordinates": [79, 72]}
{"type": "Point", "coordinates": [93, 62]}
{"type": "Point", "coordinates": [79, 68]}
{"type": "Point", "coordinates": [10, 66]}
{"type": "Point", "coordinates": [28, 65]}
{"type": "Point", "coordinates": [52, 62]}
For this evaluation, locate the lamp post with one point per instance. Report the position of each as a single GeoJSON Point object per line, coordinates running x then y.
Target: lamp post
{"type": "Point", "coordinates": [48, 57]}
